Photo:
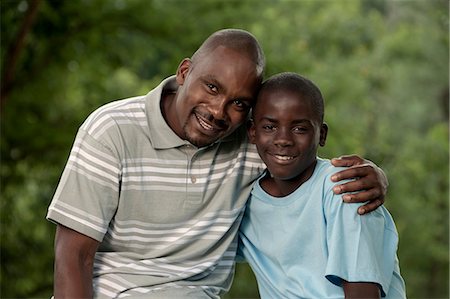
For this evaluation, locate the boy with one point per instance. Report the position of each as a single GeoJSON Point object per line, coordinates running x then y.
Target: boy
{"type": "Point", "coordinates": [300, 240]}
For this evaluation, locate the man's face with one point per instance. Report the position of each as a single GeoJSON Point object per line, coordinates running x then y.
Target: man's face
{"type": "Point", "coordinates": [214, 96]}
{"type": "Point", "coordinates": [287, 133]}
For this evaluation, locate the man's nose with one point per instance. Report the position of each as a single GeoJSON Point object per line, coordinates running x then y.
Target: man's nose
{"type": "Point", "coordinates": [218, 110]}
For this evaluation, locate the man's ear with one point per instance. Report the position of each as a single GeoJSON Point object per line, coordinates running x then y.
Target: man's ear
{"type": "Point", "coordinates": [323, 134]}
{"type": "Point", "coordinates": [251, 131]}
{"type": "Point", "coordinates": [183, 70]}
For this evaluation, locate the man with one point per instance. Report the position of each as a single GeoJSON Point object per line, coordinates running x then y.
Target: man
{"type": "Point", "coordinates": [152, 196]}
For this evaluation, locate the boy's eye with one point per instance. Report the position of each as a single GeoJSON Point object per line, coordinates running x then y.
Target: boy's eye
{"type": "Point", "coordinates": [300, 129]}
{"type": "Point", "coordinates": [268, 127]}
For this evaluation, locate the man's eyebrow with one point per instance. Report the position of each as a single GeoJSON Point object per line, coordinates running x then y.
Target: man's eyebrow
{"type": "Point", "coordinates": [213, 80]}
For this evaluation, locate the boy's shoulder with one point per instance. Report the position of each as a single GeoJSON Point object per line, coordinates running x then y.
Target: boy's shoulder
{"type": "Point", "coordinates": [322, 175]}
{"type": "Point", "coordinates": [324, 168]}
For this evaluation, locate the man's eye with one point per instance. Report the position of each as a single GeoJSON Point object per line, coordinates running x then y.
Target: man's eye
{"type": "Point", "coordinates": [212, 87]}
{"type": "Point", "coordinates": [240, 104]}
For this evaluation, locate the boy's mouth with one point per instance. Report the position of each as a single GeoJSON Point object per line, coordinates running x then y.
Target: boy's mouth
{"type": "Point", "coordinates": [283, 157]}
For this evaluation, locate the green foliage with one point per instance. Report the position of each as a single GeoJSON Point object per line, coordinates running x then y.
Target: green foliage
{"type": "Point", "coordinates": [382, 66]}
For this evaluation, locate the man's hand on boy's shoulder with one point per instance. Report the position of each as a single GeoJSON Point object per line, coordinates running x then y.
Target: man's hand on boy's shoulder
{"type": "Point", "coordinates": [370, 182]}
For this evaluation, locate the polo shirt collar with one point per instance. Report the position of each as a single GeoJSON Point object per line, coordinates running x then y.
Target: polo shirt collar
{"type": "Point", "coordinates": [161, 135]}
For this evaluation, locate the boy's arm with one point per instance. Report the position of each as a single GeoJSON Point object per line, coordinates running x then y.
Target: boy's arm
{"type": "Point", "coordinates": [361, 250]}
{"type": "Point", "coordinates": [370, 182]}
{"type": "Point", "coordinates": [360, 290]}
{"type": "Point", "coordinates": [74, 259]}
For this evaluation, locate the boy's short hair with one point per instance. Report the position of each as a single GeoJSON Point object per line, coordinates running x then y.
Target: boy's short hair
{"type": "Point", "coordinates": [298, 84]}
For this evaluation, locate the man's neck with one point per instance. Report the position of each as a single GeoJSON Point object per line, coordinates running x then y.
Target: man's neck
{"type": "Point", "coordinates": [167, 106]}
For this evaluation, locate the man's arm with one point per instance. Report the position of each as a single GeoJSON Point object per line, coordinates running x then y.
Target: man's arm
{"type": "Point", "coordinates": [370, 182]}
{"type": "Point", "coordinates": [359, 290]}
{"type": "Point", "coordinates": [74, 259]}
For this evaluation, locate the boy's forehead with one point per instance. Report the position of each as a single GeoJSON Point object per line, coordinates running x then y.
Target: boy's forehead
{"type": "Point", "coordinates": [273, 96]}
{"type": "Point", "coordinates": [273, 101]}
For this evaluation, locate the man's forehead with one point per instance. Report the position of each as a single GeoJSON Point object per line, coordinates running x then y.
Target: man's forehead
{"type": "Point", "coordinates": [221, 52]}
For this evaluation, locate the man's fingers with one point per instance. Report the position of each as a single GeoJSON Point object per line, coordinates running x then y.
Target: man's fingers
{"type": "Point", "coordinates": [347, 161]}
{"type": "Point", "coordinates": [362, 196]}
{"type": "Point", "coordinates": [369, 207]}
{"type": "Point", "coordinates": [351, 173]}
{"type": "Point", "coordinates": [368, 183]}
{"type": "Point", "coordinates": [358, 185]}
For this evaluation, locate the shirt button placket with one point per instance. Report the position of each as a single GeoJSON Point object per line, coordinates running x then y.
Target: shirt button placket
{"type": "Point", "coordinates": [194, 197]}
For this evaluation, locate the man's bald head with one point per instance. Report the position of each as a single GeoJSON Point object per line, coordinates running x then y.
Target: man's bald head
{"type": "Point", "coordinates": [236, 39]}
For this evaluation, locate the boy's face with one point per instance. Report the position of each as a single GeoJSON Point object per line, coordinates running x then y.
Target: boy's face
{"type": "Point", "coordinates": [215, 95]}
{"type": "Point", "coordinates": [287, 133]}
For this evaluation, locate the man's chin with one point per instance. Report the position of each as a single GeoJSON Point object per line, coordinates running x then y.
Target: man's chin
{"type": "Point", "coordinates": [202, 139]}
{"type": "Point", "coordinates": [201, 142]}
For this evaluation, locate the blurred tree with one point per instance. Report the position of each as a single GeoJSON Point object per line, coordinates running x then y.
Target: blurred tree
{"type": "Point", "coordinates": [382, 65]}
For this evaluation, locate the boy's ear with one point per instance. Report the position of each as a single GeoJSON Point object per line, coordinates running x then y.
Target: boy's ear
{"type": "Point", "coordinates": [183, 70]}
{"type": "Point", "coordinates": [323, 134]}
{"type": "Point", "coordinates": [251, 133]}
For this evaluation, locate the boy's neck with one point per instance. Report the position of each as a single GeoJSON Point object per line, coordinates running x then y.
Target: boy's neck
{"type": "Point", "coordinates": [282, 188]}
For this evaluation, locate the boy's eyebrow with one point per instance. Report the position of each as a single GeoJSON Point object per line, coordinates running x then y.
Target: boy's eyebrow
{"type": "Point", "coordinates": [295, 121]}
{"type": "Point", "coordinates": [303, 120]}
{"type": "Point", "coordinates": [271, 119]}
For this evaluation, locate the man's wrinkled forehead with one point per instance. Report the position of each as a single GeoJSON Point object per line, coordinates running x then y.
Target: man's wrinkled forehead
{"type": "Point", "coordinates": [237, 40]}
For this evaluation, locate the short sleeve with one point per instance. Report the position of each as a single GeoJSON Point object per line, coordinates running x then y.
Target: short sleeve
{"type": "Point", "coordinates": [87, 195]}
{"type": "Point", "coordinates": [360, 248]}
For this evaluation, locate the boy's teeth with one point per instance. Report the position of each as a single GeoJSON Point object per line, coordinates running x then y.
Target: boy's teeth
{"type": "Point", "coordinates": [284, 158]}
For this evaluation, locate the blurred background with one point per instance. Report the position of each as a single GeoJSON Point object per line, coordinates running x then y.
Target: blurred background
{"type": "Point", "coordinates": [383, 67]}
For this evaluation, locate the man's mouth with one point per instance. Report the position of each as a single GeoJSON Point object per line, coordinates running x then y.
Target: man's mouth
{"type": "Point", "coordinates": [214, 126]}
{"type": "Point", "coordinates": [203, 123]}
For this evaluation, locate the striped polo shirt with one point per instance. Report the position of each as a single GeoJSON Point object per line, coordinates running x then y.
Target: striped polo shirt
{"type": "Point", "coordinates": [166, 213]}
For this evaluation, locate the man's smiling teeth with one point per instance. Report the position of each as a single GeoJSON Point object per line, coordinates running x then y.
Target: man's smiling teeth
{"type": "Point", "coordinates": [204, 125]}
{"type": "Point", "coordinates": [284, 158]}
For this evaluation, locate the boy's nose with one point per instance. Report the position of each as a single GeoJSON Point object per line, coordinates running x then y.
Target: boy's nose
{"type": "Point", "coordinates": [283, 137]}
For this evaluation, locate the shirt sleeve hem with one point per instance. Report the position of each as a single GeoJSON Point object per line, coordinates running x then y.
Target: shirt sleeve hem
{"type": "Point", "coordinates": [338, 281]}
{"type": "Point", "coordinates": [57, 218]}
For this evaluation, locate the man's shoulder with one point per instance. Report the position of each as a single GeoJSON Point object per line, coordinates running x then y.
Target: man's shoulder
{"type": "Point", "coordinates": [119, 106]}
{"type": "Point", "coordinates": [114, 113]}
{"type": "Point", "coordinates": [129, 110]}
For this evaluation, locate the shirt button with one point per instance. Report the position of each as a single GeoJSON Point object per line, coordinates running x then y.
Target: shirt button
{"type": "Point", "coordinates": [193, 179]}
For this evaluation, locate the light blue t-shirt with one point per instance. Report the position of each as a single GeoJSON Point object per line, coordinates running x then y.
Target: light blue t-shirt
{"type": "Point", "coordinates": [304, 244]}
